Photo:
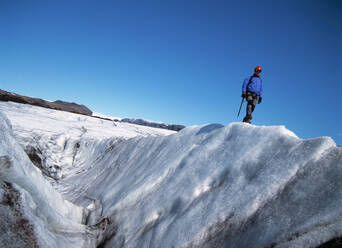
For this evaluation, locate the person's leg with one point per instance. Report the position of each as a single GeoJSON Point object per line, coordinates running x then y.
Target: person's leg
{"type": "Point", "coordinates": [249, 109]}
{"type": "Point", "coordinates": [252, 101]}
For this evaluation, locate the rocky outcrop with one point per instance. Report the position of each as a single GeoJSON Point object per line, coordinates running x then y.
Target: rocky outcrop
{"type": "Point", "coordinates": [142, 122]}
{"type": "Point", "coordinates": [58, 105]}
{"type": "Point", "coordinates": [75, 108]}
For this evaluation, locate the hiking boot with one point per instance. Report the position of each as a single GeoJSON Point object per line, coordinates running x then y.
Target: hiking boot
{"type": "Point", "coordinates": [247, 119]}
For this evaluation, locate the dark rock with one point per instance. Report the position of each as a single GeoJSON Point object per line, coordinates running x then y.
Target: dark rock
{"type": "Point", "coordinates": [57, 105]}
{"type": "Point", "coordinates": [153, 124]}
{"type": "Point", "coordinates": [18, 230]}
{"type": "Point", "coordinates": [38, 159]}
{"type": "Point", "coordinates": [76, 108]}
{"type": "Point", "coordinates": [102, 118]}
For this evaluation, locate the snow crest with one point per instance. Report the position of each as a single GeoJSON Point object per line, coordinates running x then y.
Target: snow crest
{"type": "Point", "coordinates": [215, 186]}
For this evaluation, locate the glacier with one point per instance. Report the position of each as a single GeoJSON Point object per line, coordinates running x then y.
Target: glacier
{"type": "Point", "coordinates": [69, 180]}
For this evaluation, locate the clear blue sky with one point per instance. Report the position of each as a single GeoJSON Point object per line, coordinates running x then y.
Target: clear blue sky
{"type": "Point", "coordinates": [180, 61]}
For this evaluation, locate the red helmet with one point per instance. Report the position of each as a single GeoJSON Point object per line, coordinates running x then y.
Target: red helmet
{"type": "Point", "coordinates": [258, 68]}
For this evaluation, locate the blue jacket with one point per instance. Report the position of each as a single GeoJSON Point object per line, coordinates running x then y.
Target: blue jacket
{"type": "Point", "coordinates": [255, 86]}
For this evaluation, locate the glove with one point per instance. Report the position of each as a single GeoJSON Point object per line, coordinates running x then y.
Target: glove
{"type": "Point", "coordinates": [243, 95]}
{"type": "Point", "coordinates": [260, 99]}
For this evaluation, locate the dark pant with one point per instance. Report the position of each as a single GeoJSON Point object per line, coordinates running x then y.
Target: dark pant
{"type": "Point", "coordinates": [252, 99]}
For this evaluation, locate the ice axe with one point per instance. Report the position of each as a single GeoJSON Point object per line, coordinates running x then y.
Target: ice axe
{"type": "Point", "coordinates": [241, 106]}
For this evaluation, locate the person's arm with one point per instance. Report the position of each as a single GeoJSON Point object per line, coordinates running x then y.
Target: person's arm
{"type": "Point", "coordinates": [261, 92]}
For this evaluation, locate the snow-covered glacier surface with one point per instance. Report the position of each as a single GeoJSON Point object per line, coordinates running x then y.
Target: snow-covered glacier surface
{"type": "Point", "coordinates": [92, 183]}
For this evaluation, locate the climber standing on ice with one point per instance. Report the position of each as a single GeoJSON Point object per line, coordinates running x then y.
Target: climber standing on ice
{"type": "Point", "coordinates": [252, 92]}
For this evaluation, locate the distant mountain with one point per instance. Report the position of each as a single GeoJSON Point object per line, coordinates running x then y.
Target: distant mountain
{"type": "Point", "coordinates": [58, 105]}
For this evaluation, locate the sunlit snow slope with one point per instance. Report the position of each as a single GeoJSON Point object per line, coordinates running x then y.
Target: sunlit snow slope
{"type": "Point", "coordinates": [133, 186]}
{"type": "Point", "coordinates": [52, 138]}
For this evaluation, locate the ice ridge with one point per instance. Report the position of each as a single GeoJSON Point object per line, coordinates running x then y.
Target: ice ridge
{"type": "Point", "coordinates": [206, 186]}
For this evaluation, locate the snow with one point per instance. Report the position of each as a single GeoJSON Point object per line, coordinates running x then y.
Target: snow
{"type": "Point", "coordinates": [125, 185]}
{"type": "Point", "coordinates": [56, 133]}
{"type": "Point", "coordinates": [43, 205]}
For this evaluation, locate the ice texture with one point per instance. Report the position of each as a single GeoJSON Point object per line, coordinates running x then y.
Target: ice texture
{"type": "Point", "coordinates": [238, 185]}
{"type": "Point", "coordinates": [28, 197]}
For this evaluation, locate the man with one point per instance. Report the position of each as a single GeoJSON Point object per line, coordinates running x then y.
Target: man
{"type": "Point", "coordinates": [252, 90]}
